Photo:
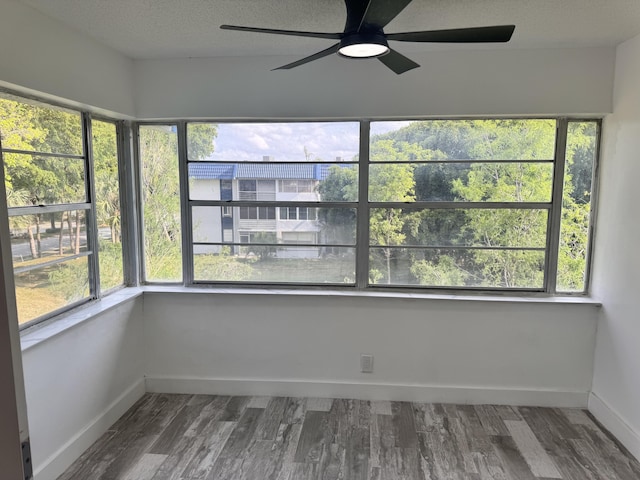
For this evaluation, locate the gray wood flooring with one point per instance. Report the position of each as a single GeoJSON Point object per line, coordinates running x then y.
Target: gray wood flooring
{"type": "Point", "coordinates": [202, 437]}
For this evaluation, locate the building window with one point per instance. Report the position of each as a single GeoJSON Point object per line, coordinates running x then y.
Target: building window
{"type": "Point", "coordinates": [64, 217]}
{"type": "Point", "coordinates": [226, 189]}
{"type": "Point", "coordinates": [299, 238]}
{"type": "Point", "coordinates": [256, 190]}
{"type": "Point", "coordinates": [297, 186]}
{"type": "Point", "coordinates": [476, 205]}
{"type": "Point", "coordinates": [298, 213]}
{"type": "Point", "coordinates": [257, 213]}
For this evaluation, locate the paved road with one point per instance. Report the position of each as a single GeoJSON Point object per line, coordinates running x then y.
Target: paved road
{"type": "Point", "coordinates": [21, 250]}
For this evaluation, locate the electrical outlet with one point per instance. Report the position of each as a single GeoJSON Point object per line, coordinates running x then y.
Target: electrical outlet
{"type": "Point", "coordinates": [366, 363]}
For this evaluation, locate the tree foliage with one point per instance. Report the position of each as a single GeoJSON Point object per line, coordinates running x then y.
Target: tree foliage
{"type": "Point", "coordinates": [502, 143]}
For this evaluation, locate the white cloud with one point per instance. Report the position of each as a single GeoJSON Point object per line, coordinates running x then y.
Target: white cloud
{"type": "Point", "coordinates": [286, 142]}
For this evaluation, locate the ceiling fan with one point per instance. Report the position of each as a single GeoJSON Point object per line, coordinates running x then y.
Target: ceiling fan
{"type": "Point", "coordinates": [364, 37]}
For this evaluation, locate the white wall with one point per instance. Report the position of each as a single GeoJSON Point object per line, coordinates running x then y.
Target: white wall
{"type": "Point", "coordinates": [79, 382]}
{"type": "Point", "coordinates": [616, 279]}
{"type": "Point", "coordinates": [431, 350]}
{"type": "Point", "coordinates": [42, 55]}
{"type": "Point", "coordinates": [456, 82]}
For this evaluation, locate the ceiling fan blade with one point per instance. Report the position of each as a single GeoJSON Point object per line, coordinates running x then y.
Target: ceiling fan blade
{"type": "Point", "coordinates": [398, 62]}
{"type": "Point", "coordinates": [294, 33]}
{"type": "Point", "coordinates": [311, 58]}
{"type": "Point", "coordinates": [380, 12]}
{"type": "Point", "coordinates": [498, 33]}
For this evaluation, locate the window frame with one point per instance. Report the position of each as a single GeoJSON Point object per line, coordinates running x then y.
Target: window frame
{"type": "Point", "coordinates": [362, 206]}
{"type": "Point", "coordinates": [126, 198]}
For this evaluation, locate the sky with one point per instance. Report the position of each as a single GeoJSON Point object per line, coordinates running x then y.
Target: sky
{"type": "Point", "coordinates": [287, 141]}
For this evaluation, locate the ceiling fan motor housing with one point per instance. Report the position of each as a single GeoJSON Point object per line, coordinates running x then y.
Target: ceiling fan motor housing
{"type": "Point", "coordinates": [372, 44]}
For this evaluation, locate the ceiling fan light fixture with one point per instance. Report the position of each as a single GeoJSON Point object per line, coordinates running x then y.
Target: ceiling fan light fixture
{"type": "Point", "coordinates": [362, 45]}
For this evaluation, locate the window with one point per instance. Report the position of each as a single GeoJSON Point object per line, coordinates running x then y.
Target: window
{"type": "Point", "coordinates": [297, 186]}
{"type": "Point", "coordinates": [465, 207]}
{"type": "Point", "coordinates": [481, 204]}
{"type": "Point", "coordinates": [257, 213]}
{"type": "Point", "coordinates": [274, 184]}
{"type": "Point", "coordinates": [226, 190]}
{"type": "Point", "coordinates": [108, 212]}
{"type": "Point", "coordinates": [160, 179]}
{"type": "Point", "coordinates": [299, 238]}
{"type": "Point", "coordinates": [256, 189]}
{"type": "Point", "coordinates": [65, 235]}
{"type": "Point", "coordinates": [298, 213]}
{"type": "Point", "coordinates": [258, 237]}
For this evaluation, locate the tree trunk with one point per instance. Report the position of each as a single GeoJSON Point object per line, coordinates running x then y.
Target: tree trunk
{"type": "Point", "coordinates": [387, 254]}
{"type": "Point", "coordinates": [38, 239]}
{"type": "Point", "coordinates": [61, 235]}
{"type": "Point", "coordinates": [77, 245]}
{"type": "Point", "coordinates": [70, 230]}
{"type": "Point", "coordinates": [32, 243]}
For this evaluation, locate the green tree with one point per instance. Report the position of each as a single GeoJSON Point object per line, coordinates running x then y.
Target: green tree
{"type": "Point", "coordinates": [479, 182]}
{"type": "Point", "coordinates": [266, 251]}
{"type": "Point", "coordinates": [389, 182]}
{"type": "Point", "coordinates": [576, 206]}
{"type": "Point", "coordinates": [338, 224]}
{"type": "Point", "coordinates": [222, 267]}
{"type": "Point", "coordinates": [442, 271]}
{"type": "Point", "coordinates": [107, 187]}
{"type": "Point", "coordinates": [509, 182]}
{"type": "Point", "coordinates": [161, 194]}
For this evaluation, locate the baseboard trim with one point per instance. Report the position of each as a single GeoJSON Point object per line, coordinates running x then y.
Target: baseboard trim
{"type": "Point", "coordinates": [57, 463]}
{"type": "Point", "coordinates": [366, 391]}
{"type": "Point", "coordinates": [614, 422]}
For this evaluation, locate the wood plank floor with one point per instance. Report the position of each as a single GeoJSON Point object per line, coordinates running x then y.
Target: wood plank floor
{"type": "Point", "coordinates": [202, 437]}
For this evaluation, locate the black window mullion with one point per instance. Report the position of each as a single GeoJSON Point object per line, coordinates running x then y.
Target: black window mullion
{"type": "Point", "coordinates": [362, 218]}
{"type": "Point", "coordinates": [129, 204]}
{"type": "Point", "coordinates": [185, 208]}
{"type": "Point", "coordinates": [92, 221]}
{"type": "Point", "coordinates": [555, 215]}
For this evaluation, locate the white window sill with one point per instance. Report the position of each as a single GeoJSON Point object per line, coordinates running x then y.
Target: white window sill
{"type": "Point", "coordinates": [51, 327]}
{"type": "Point", "coordinates": [507, 298]}
{"type": "Point", "coordinates": [32, 336]}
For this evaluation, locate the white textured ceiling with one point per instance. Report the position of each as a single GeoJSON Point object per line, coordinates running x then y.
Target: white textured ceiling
{"type": "Point", "coordinates": [190, 28]}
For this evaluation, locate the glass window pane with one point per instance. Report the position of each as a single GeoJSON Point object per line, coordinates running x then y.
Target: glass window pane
{"type": "Point", "coordinates": [275, 264]}
{"type": "Point", "coordinates": [257, 182]}
{"type": "Point", "coordinates": [107, 186]}
{"type": "Point", "coordinates": [330, 226]}
{"type": "Point", "coordinates": [282, 142]}
{"type": "Point", "coordinates": [582, 143]}
{"type": "Point", "coordinates": [38, 239]}
{"type": "Point", "coordinates": [161, 202]}
{"type": "Point", "coordinates": [461, 182]}
{"type": "Point", "coordinates": [459, 227]}
{"type": "Point", "coordinates": [478, 268]}
{"type": "Point", "coordinates": [34, 180]}
{"type": "Point", "coordinates": [495, 139]}
{"type": "Point", "coordinates": [35, 127]}
{"type": "Point", "coordinates": [46, 289]}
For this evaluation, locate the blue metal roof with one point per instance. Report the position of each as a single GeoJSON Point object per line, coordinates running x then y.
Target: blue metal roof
{"type": "Point", "coordinates": [212, 170]}
{"type": "Point", "coordinates": [278, 171]}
